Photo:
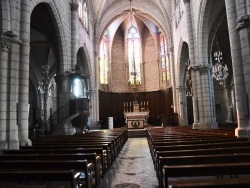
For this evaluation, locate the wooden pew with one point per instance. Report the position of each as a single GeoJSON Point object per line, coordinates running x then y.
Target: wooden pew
{"type": "Point", "coordinates": [98, 151]}
{"type": "Point", "coordinates": [105, 150]}
{"type": "Point", "coordinates": [11, 185]}
{"type": "Point", "coordinates": [221, 183]}
{"type": "Point", "coordinates": [108, 148]}
{"type": "Point", "coordinates": [188, 142]}
{"type": "Point", "coordinates": [199, 146]}
{"type": "Point", "coordinates": [90, 157]}
{"type": "Point", "coordinates": [79, 166]}
{"type": "Point", "coordinates": [27, 176]}
{"type": "Point", "coordinates": [204, 170]}
{"type": "Point", "coordinates": [200, 159]}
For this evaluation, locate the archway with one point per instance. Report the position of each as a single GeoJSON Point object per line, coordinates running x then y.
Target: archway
{"type": "Point", "coordinates": [185, 88]}
{"type": "Point", "coordinates": [44, 58]}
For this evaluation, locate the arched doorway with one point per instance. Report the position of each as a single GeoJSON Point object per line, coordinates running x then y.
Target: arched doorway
{"type": "Point", "coordinates": [44, 58]}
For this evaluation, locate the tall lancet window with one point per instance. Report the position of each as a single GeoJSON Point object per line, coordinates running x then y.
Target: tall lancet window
{"type": "Point", "coordinates": [134, 57]}
{"type": "Point", "coordinates": [164, 58]}
{"type": "Point", "coordinates": [179, 9]}
{"type": "Point", "coordinates": [104, 59]}
{"type": "Point", "coordinates": [83, 13]}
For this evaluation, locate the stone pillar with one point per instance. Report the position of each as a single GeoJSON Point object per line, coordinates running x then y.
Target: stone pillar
{"type": "Point", "coordinates": [5, 45]}
{"type": "Point", "coordinates": [23, 104]}
{"type": "Point", "coordinates": [95, 95]}
{"type": "Point", "coordinates": [12, 133]}
{"type": "Point", "coordinates": [173, 83]}
{"type": "Point", "coordinates": [208, 103]}
{"type": "Point", "coordinates": [238, 71]}
{"type": "Point", "coordinates": [74, 16]}
{"type": "Point", "coordinates": [183, 106]}
{"type": "Point", "coordinates": [194, 73]}
{"type": "Point", "coordinates": [62, 83]}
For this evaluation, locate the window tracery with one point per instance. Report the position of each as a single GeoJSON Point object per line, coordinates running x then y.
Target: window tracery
{"type": "Point", "coordinates": [179, 9]}
{"type": "Point", "coordinates": [134, 57]}
{"type": "Point", "coordinates": [83, 13]}
{"type": "Point", "coordinates": [104, 59]}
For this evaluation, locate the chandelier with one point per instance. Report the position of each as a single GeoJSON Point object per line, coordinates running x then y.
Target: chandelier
{"type": "Point", "coordinates": [219, 71]}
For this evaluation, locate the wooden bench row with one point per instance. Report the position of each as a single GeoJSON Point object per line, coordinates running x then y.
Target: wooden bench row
{"type": "Point", "coordinates": [97, 149]}
{"type": "Point", "coordinates": [172, 151]}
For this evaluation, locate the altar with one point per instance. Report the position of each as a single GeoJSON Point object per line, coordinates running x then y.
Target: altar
{"type": "Point", "coordinates": [136, 120]}
{"type": "Point", "coordinates": [136, 114]}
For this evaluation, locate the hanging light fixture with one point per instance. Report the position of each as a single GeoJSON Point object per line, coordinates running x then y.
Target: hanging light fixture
{"type": "Point", "coordinates": [219, 69]}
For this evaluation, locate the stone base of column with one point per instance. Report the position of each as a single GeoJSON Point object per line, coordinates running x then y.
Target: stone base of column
{"type": "Point", "coordinates": [195, 125]}
{"type": "Point", "coordinates": [13, 144]}
{"type": "Point", "coordinates": [208, 125]}
{"type": "Point", "coordinates": [25, 142]}
{"type": "Point", "coordinates": [242, 132]}
{"type": "Point", "coordinates": [69, 129]}
{"type": "Point", "coordinates": [3, 145]}
{"type": "Point", "coordinates": [182, 122]}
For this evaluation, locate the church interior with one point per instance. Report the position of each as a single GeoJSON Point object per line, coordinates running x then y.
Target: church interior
{"type": "Point", "coordinates": [124, 93]}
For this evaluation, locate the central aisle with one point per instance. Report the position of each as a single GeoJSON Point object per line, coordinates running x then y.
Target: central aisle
{"type": "Point", "coordinates": [133, 167]}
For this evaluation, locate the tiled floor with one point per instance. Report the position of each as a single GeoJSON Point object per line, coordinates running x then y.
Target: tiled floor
{"type": "Point", "coordinates": [133, 167]}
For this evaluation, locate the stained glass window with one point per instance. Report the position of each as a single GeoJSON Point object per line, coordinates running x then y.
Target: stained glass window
{"type": "Point", "coordinates": [179, 9]}
{"type": "Point", "coordinates": [164, 59]}
{"type": "Point", "coordinates": [83, 13]}
{"type": "Point", "coordinates": [134, 57]}
{"type": "Point", "coordinates": [104, 59]}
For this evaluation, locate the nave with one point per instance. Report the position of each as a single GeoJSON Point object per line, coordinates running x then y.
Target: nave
{"type": "Point", "coordinates": [133, 167]}
{"type": "Point", "coordinates": [175, 157]}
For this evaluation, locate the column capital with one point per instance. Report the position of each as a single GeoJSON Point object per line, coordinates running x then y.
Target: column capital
{"type": "Point", "coordinates": [204, 69]}
{"type": "Point", "coordinates": [243, 22]}
{"type": "Point", "coordinates": [61, 77]}
{"type": "Point", "coordinates": [181, 88]}
{"type": "Point", "coordinates": [74, 6]}
{"type": "Point", "coordinates": [186, 1]}
{"type": "Point", "coordinates": [5, 44]}
{"type": "Point", "coordinates": [171, 49]}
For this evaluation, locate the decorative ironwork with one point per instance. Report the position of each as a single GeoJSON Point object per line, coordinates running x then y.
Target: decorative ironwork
{"type": "Point", "coordinates": [219, 71]}
{"type": "Point", "coordinates": [55, 120]}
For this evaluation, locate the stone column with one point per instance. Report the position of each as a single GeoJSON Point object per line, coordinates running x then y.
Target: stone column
{"type": "Point", "coordinates": [74, 16]}
{"type": "Point", "coordinates": [243, 29]}
{"type": "Point", "coordinates": [12, 133]}
{"type": "Point", "coordinates": [208, 104]}
{"type": "Point", "coordinates": [5, 45]}
{"type": "Point", "coordinates": [183, 106]}
{"type": "Point", "coordinates": [194, 73]}
{"type": "Point", "coordinates": [62, 83]}
{"type": "Point", "coordinates": [238, 71]}
{"type": "Point", "coordinates": [173, 83]}
{"type": "Point", "coordinates": [23, 103]}
{"type": "Point", "coordinates": [95, 94]}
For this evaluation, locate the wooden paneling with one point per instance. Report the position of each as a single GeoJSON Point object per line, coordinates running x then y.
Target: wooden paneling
{"type": "Point", "coordinates": [112, 104]}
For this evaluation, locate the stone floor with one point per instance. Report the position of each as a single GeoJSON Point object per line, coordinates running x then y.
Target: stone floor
{"type": "Point", "coordinates": [133, 167]}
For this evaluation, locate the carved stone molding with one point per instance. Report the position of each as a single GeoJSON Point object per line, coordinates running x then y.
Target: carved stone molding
{"type": "Point", "coordinates": [5, 44]}
{"type": "Point", "coordinates": [181, 89]}
{"type": "Point", "coordinates": [204, 70]}
{"type": "Point", "coordinates": [186, 1]}
{"type": "Point", "coordinates": [74, 6]}
{"type": "Point", "coordinates": [243, 22]}
{"type": "Point", "coordinates": [61, 78]}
